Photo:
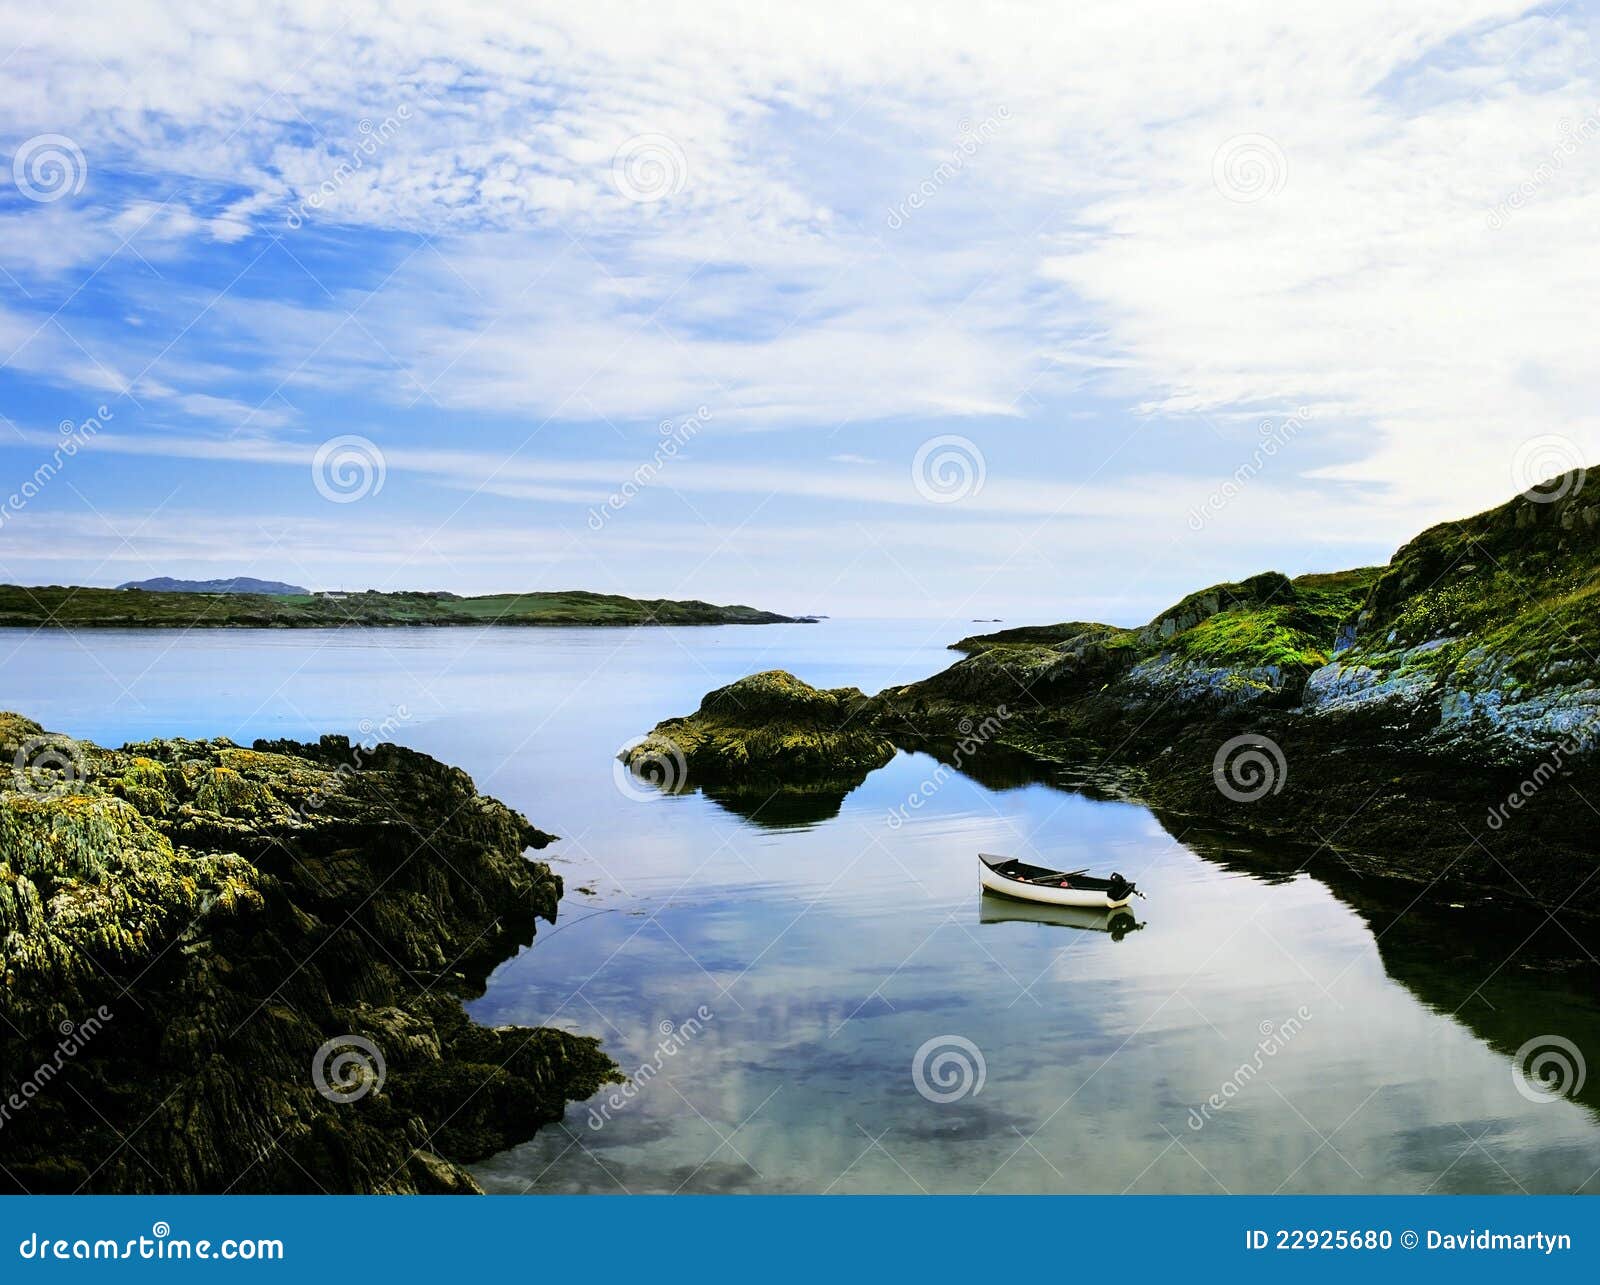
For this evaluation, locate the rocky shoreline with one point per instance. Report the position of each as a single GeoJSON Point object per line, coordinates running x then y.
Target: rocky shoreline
{"type": "Point", "coordinates": [233, 969]}
{"type": "Point", "coordinates": [1433, 720]}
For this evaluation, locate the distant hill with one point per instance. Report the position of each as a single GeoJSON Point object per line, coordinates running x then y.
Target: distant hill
{"type": "Point", "coordinates": [283, 608]}
{"type": "Point", "coordinates": [239, 584]}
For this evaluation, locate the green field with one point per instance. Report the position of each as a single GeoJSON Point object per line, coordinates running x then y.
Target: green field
{"type": "Point", "coordinates": [72, 607]}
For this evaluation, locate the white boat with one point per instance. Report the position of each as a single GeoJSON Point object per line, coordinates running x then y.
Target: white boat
{"type": "Point", "coordinates": [1012, 878]}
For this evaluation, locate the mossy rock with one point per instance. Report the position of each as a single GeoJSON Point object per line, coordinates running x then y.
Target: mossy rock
{"type": "Point", "coordinates": [228, 930]}
{"type": "Point", "coordinates": [769, 726]}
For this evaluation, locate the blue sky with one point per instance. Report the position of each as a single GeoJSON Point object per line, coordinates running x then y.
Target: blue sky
{"type": "Point", "coordinates": [1176, 296]}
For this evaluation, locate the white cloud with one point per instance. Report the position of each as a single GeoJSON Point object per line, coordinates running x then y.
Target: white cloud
{"type": "Point", "coordinates": [1086, 248]}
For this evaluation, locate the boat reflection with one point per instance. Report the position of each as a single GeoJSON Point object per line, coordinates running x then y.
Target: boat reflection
{"type": "Point", "coordinates": [995, 909]}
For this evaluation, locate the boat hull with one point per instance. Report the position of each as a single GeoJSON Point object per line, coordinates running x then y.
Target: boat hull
{"type": "Point", "coordinates": [1048, 896]}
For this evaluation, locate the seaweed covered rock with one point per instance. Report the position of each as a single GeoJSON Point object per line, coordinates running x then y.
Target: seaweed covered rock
{"type": "Point", "coordinates": [767, 729]}
{"type": "Point", "coordinates": [243, 969]}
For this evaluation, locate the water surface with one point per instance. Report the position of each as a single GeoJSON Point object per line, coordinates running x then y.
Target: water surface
{"type": "Point", "coordinates": [771, 986]}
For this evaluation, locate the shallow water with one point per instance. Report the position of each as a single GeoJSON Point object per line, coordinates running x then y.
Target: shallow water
{"type": "Point", "coordinates": [779, 981]}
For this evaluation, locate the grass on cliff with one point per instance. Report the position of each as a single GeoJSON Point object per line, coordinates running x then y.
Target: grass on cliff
{"type": "Point", "coordinates": [1296, 633]}
{"type": "Point", "coordinates": [1275, 621]}
{"type": "Point", "coordinates": [1519, 583]}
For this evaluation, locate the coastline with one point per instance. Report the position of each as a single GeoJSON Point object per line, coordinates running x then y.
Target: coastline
{"type": "Point", "coordinates": [57, 606]}
{"type": "Point", "coordinates": [270, 948]}
{"type": "Point", "coordinates": [1431, 720]}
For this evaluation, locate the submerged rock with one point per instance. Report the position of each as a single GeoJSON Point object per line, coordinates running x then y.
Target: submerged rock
{"type": "Point", "coordinates": [243, 969]}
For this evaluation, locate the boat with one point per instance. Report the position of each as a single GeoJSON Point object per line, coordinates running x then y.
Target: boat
{"type": "Point", "coordinates": [1012, 878]}
{"type": "Point", "coordinates": [994, 908]}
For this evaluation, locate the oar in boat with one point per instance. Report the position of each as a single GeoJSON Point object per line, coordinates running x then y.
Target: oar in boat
{"type": "Point", "coordinates": [1053, 876]}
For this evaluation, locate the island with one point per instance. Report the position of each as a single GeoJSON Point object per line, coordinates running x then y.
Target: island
{"type": "Point", "coordinates": [75, 607]}
{"type": "Point", "coordinates": [242, 969]}
{"type": "Point", "coordinates": [1433, 720]}
{"type": "Point", "coordinates": [235, 584]}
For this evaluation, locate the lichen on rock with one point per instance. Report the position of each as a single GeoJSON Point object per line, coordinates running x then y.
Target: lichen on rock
{"type": "Point", "coordinates": [219, 915]}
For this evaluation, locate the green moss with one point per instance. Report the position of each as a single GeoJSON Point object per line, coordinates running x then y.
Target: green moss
{"type": "Point", "coordinates": [1295, 628]}
{"type": "Point", "coordinates": [768, 725]}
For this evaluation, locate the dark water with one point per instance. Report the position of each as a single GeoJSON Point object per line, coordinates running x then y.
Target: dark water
{"type": "Point", "coordinates": [777, 990]}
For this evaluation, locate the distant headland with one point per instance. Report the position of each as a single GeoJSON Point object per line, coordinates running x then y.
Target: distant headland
{"type": "Point", "coordinates": [238, 603]}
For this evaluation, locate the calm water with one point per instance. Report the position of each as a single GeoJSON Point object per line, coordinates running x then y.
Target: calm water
{"type": "Point", "coordinates": [801, 969]}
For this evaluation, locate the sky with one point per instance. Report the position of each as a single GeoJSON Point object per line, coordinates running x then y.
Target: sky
{"type": "Point", "coordinates": [1022, 311]}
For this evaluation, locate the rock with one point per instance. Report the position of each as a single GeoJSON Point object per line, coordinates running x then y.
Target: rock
{"type": "Point", "coordinates": [1405, 704]}
{"type": "Point", "coordinates": [769, 729]}
{"type": "Point", "coordinates": [250, 964]}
